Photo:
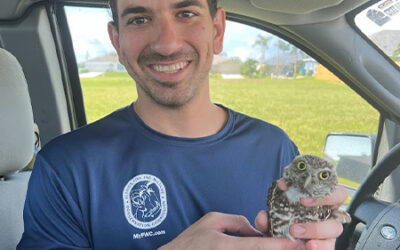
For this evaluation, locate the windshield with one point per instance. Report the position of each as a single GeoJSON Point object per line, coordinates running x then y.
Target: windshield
{"type": "Point", "coordinates": [381, 23]}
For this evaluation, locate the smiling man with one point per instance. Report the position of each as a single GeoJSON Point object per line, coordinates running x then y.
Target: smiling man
{"type": "Point", "coordinates": [172, 170]}
{"type": "Point", "coordinates": [168, 47]}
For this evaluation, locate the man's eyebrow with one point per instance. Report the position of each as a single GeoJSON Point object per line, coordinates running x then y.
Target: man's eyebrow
{"type": "Point", "coordinates": [187, 3]}
{"type": "Point", "coordinates": [134, 10]}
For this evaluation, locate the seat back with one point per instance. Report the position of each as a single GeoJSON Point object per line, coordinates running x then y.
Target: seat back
{"type": "Point", "coordinates": [16, 148]}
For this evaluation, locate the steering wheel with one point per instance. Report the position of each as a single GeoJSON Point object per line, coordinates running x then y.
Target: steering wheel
{"type": "Point", "coordinates": [381, 219]}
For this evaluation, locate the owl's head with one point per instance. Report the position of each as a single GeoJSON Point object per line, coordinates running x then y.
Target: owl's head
{"type": "Point", "coordinates": [311, 175]}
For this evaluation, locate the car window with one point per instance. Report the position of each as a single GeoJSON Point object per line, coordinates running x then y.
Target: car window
{"type": "Point", "coordinates": [257, 74]}
{"type": "Point", "coordinates": [381, 23]}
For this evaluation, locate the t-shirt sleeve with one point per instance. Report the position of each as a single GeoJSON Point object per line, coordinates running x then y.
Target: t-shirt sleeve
{"type": "Point", "coordinates": [289, 151]}
{"type": "Point", "coordinates": [52, 219]}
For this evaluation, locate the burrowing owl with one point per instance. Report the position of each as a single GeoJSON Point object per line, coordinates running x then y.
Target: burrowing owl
{"type": "Point", "coordinates": [307, 176]}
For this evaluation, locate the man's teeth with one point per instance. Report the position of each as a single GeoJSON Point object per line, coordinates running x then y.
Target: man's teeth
{"type": "Point", "coordinates": [169, 68]}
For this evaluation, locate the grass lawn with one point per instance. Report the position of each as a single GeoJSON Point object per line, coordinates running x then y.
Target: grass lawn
{"type": "Point", "coordinates": [306, 109]}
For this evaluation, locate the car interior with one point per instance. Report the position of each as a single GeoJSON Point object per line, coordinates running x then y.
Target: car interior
{"type": "Point", "coordinates": [40, 91]}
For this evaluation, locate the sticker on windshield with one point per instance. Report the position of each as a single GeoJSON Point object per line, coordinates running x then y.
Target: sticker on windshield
{"type": "Point", "coordinates": [378, 17]}
{"type": "Point", "coordinates": [385, 4]}
{"type": "Point", "coordinates": [391, 11]}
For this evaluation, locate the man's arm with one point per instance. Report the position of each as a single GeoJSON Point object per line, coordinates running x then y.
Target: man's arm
{"type": "Point", "coordinates": [52, 219]}
{"type": "Point", "coordinates": [210, 233]}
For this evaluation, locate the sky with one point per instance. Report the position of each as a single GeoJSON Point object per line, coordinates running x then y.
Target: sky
{"type": "Point", "coordinates": [88, 28]}
{"type": "Point", "coordinates": [90, 37]}
{"type": "Point", "coordinates": [89, 31]}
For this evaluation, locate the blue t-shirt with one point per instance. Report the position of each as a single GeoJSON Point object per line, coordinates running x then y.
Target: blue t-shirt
{"type": "Point", "coordinates": [118, 184]}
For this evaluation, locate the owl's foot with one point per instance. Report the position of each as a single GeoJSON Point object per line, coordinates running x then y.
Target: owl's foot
{"type": "Point", "coordinates": [291, 237]}
{"type": "Point", "coordinates": [341, 216]}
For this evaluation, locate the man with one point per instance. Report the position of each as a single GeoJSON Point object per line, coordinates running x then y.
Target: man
{"type": "Point", "coordinates": [172, 170]}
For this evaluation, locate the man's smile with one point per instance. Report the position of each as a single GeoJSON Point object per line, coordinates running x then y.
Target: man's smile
{"type": "Point", "coordinates": [169, 68]}
{"type": "Point", "coordinates": [169, 71]}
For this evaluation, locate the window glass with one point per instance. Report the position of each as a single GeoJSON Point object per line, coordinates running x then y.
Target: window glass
{"type": "Point", "coordinates": [381, 23]}
{"type": "Point", "coordinates": [257, 74]}
{"type": "Point", "coordinates": [105, 84]}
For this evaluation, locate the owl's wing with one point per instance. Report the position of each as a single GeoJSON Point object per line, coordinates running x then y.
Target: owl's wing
{"type": "Point", "coordinates": [273, 193]}
{"type": "Point", "coordinates": [275, 200]}
{"type": "Point", "coordinates": [324, 212]}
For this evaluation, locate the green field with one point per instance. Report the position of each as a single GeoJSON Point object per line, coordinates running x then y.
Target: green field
{"type": "Point", "coordinates": [306, 109]}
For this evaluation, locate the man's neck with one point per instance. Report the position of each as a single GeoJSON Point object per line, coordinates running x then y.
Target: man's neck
{"type": "Point", "coordinates": [193, 120]}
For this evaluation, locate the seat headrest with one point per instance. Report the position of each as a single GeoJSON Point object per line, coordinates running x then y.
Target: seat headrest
{"type": "Point", "coordinates": [16, 117]}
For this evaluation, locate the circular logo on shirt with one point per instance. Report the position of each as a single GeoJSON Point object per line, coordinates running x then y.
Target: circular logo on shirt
{"type": "Point", "coordinates": [145, 201]}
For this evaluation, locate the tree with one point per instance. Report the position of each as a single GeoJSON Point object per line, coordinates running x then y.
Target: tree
{"type": "Point", "coordinates": [281, 45]}
{"type": "Point", "coordinates": [295, 51]}
{"type": "Point", "coordinates": [249, 68]}
{"type": "Point", "coordinates": [396, 53]}
{"type": "Point", "coordinates": [262, 69]}
{"type": "Point", "coordinates": [262, 43]}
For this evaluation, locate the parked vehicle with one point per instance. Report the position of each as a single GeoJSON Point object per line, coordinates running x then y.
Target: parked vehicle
{"type": "Point", "coordinates": [358, 41]}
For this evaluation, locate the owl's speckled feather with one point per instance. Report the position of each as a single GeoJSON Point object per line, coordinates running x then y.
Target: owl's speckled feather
{"type": "Point", "coordinates": [306, 176]}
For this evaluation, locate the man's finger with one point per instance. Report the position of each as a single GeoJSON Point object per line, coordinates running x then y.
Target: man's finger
{"type": "Point", "coordinates": [321, 244]}
{"type": "Point", "coordinates": [282, 184]}
{"type": "Point", "coordinates": [261, 221]}
{"type": "Point", "coordinates": [230, 223]}
{"type": "Point", "coordinates": [328, 229]}
{"type": "Point", "coordinates": [336, 199]}
{"type": "Point", "coordinates": [263, 243]}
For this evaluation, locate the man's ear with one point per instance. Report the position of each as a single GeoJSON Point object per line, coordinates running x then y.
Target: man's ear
{"type": "Point", "coordinates": [113, 33]}
{"type": "Point", "coordinates": [219, 30]}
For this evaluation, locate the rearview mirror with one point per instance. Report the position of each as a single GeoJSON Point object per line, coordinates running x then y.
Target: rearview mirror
{"type": "Point", "coordinates": [351, 154]}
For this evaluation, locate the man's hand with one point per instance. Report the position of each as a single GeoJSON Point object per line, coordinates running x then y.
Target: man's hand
{"type": "Point", "coordinates": [322, 234]}
{"type": "Point", "coordinates": [209, 233]}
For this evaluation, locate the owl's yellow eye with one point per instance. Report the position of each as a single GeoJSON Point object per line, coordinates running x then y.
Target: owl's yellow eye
{"type": "Point", "coordinates": [301, 165]}
{"type": "Point", "coordinates": [324, 175]}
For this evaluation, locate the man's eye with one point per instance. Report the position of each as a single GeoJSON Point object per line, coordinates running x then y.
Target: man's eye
{"type": "Point", "coordinates": [186, 14]}
{"type": "Point", "coordinates": [139, 20]}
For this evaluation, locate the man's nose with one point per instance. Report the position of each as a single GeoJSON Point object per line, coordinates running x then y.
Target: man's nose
{"type": "Point", "coordinates": [167, 38]}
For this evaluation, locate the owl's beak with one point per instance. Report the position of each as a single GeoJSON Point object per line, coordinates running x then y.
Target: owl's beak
{"type": "Point", "coordinates": [307, 181]}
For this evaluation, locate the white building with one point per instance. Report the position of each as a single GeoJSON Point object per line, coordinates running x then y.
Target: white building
{"type": "Point", "coordinates": [108, 63]}
{"type": "Point", "coordinates": [310, 65]}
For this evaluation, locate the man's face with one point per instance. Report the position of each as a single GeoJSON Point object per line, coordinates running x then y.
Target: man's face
{"type": "Point", "coordinates": [167, 46]}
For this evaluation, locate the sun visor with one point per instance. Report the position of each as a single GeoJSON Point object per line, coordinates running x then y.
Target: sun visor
{"type": "Point", "coordinates": [294, 6]}
{"type": "Point", "coordinates": [11, 9]}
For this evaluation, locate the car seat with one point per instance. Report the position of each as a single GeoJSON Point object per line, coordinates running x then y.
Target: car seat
{"type": "Point", "coordinates": [17, 139]}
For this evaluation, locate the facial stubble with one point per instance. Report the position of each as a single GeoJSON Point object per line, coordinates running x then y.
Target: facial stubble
{"type": "Point", "coordinates": [180, 93]}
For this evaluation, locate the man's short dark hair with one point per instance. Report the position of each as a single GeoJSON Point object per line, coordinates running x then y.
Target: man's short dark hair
{"type": "Point", "coordinates": [212, 6]}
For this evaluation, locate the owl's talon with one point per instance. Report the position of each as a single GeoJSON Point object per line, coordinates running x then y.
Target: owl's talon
{"type": "Point", "coordinates": [291, 237]}
{"type": "Point", "coordinates": [341, 216]}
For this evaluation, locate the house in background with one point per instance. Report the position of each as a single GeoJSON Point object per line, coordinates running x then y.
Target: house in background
{"type": "Point", "coordinates": [107, 63]}
{"type": "Point", "coordinates": [322, 73]}
{"type": "Point", "coordinates": [387, 40]}
{"type": "Point", "coordinates": [228, 68]}
{"type": "Point", "coordinates": [310, 66]}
